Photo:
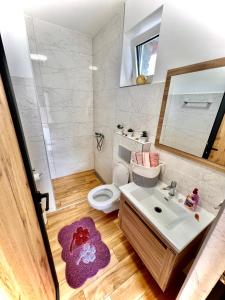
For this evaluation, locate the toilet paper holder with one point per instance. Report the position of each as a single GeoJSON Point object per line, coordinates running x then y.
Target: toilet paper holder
{"type": "Point", "coordinates": [37, 175]}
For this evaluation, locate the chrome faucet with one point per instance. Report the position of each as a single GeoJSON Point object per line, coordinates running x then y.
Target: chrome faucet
{"type": "Point", "coordinates": [171, 188]}
{"type": "Point", "coordinates": [219, 205]}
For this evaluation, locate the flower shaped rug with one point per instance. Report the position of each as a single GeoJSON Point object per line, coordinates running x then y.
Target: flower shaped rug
{"type": "Point", "coordinates": [83, 251]}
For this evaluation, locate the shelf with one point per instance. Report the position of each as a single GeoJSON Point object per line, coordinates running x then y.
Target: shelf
{"type": "Point", "coordinates": [133, 139]}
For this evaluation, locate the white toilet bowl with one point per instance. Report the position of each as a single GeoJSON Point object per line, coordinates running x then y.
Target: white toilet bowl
{"type": "Point", "coordinates": [106, 197]}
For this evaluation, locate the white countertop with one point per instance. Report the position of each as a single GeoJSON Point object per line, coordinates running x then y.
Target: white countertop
{"type": "Point", "coordinates": [185, 231]}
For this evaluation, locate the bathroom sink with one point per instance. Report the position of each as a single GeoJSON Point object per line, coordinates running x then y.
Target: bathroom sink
{"type": "Point", "coordinates": [175, 222]}
{"type": "Point", "coordinates": [160, 206]}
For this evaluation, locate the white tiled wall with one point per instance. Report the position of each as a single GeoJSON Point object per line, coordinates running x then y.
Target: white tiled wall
{"type": "Point", "coordinates": [106, 56]}
{"type": "Point", "coordinates": [65, 95]}
{"type": "Point", "coordinates": [138, 107]}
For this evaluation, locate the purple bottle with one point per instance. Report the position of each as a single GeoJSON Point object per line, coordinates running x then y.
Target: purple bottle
{"type": "Point", "coordinates": [192, 200]}
{"type": "Point", "coordinates": [195, 198]}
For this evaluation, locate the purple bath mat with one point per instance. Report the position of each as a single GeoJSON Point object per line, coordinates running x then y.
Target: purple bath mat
{"type": "Point", "coordinates": [83, 251]}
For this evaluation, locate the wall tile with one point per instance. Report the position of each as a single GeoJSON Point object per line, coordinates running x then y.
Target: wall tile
{"type": "Point", "coordinates": [26, 96]}
{"type": "Point", "coordinates": [109, 33]}
{"type": "Point", "coordinates": [82, 98]}
{"type": "Point", "coordinates": [30, 119]}
{"type": "Point", "coordinates": [58, 97]}
{"type": "Point", "coordinates": [55, 36]}
{"type": "Point", "coordinates": [69, 130]}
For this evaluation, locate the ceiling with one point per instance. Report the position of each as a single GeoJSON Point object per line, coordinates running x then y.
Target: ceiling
{"type": "Point", "coordinates": [86, 16]}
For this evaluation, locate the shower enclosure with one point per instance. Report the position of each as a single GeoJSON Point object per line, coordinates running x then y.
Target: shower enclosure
{"type": "Point", "coordinates": [51, 73]}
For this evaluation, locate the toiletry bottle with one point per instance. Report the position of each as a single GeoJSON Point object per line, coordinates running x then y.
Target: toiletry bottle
{"type": "Point", "coordinates": [192, 200]}
{"type": "Point", "coordinates": [188, 201]}
{"type": "Point", "coordinates": [195, 198]}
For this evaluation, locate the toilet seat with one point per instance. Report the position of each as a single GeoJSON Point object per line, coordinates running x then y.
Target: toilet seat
{"type": "Point", "coordinates": [103, 197]}
{"type": "Point", "coordinates": [106, 197]}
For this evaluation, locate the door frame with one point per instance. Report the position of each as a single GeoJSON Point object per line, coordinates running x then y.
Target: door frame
{"type": "Point", "coordinates": [215, 129]}
{"type": "Point", "coordinates": [6, 79]}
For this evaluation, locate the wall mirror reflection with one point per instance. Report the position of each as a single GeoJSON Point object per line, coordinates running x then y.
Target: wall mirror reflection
{"type": "Point", "coordinates": [140, 47]}
{"type": "Point", "coordinates": [192, 118]}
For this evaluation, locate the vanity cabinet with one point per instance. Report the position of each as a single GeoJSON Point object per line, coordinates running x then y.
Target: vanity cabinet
{"type": "Point", "coordinates": [159, 257]}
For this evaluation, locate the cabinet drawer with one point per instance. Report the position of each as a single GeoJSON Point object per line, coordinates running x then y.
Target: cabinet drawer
{"type": "Point", "coordinates": [150, 249]}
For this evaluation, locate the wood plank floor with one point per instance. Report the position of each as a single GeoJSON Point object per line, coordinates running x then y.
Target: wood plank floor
{"type": "Point", "coordinates": [72, 188]}
{"type": "Point", "coordinates": [125, 277]}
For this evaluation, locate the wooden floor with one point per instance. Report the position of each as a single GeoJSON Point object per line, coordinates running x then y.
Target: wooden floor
{"type": "Point", "coordinates": [125, 277]}
{"type": "Point", "coordinates": [72, 188]}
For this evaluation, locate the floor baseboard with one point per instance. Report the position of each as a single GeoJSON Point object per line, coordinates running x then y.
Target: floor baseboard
{"type": "Point", "coordinates": [99, 177]}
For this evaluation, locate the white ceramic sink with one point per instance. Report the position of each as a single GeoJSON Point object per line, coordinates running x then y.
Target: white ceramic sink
{"type": "Point", "coordinates": [167, 212]}
{"type": "Point", "coordinates": [171, 218]}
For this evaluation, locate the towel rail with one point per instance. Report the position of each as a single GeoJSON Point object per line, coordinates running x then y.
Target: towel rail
{"type": "Point", "coordinates": [198, 102]}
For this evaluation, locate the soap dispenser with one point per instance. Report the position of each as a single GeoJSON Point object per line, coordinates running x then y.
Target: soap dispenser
{"type": "Point", "coordinates": [192, 200]}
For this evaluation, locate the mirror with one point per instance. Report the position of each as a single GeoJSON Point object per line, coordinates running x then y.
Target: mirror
{"type": "Point", "coordinates": [140, 46]}
{"type": "Point", "coordinates": [192, 118]}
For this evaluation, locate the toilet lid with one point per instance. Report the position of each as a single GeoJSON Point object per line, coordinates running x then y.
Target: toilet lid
{"type": "Point", "coordinates": [120, 175]}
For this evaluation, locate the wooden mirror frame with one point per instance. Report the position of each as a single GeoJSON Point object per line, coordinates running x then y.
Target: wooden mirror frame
{"type": "Point", "coordinates": [216, 63]}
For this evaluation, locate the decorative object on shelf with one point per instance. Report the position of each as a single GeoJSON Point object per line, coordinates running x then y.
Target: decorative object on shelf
{"type": "Point", "coordinates": [144, 136]}
{"type": "Point", "coordinates": [141, 80]}
{"type": "Point", "coordinates": [120, 129]}
{"type": "Point", "coordinates": [130, 132]}
{"type": "Point", "coordinates": [145, 146]}
{"type": "Point", "coordinates": [100, 140]}
{"type": "Point", "coordinates": [137, 134]}
{"type": "Point", "coordinates": [83, 251]}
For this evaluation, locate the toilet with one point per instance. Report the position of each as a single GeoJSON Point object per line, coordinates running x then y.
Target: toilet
{"type": "Point", "coordinates": [106, 197]}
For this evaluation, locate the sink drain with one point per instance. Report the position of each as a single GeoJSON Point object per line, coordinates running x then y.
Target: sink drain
{"type": "Point", "coordinates": [158, 209]}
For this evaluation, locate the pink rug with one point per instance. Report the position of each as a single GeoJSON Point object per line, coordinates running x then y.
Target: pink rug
{"type": "Point", "coordinates": [83, 251]}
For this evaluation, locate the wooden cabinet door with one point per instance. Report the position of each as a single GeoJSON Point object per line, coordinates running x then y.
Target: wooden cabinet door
{"type": "Point", "coordinates": [24, 268]}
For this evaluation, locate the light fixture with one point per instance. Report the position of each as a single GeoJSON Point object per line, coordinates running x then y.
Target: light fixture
{"type": "Point", "coordinates": [93, 68]}
{"type": "Point", "coordinates": [39, 57]}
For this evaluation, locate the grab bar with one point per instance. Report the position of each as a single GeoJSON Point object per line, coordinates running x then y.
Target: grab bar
{"type": "Point", "coordinates": [201, 102]}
